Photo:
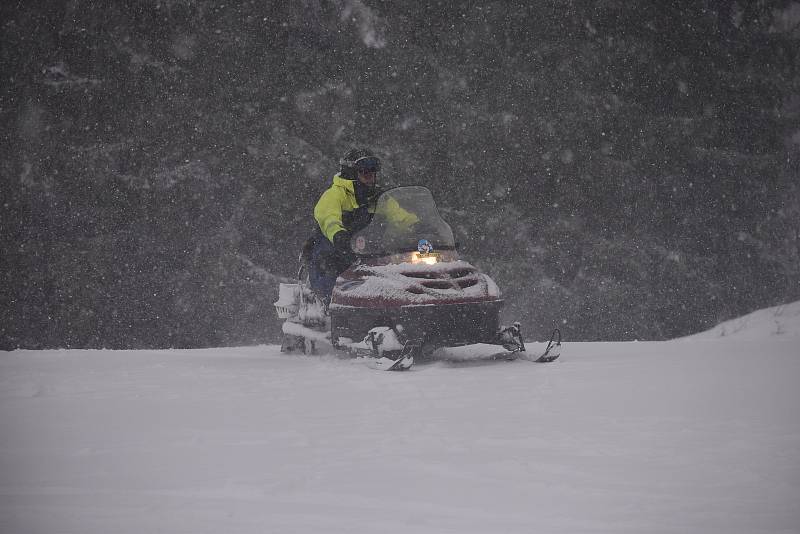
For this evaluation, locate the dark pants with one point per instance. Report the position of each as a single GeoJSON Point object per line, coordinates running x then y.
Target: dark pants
{"type": "Point", "coordinates": [325, 264]}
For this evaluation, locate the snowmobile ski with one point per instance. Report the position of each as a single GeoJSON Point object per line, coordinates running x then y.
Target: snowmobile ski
{"type": "Point", "coordinates": [387, 364]}
{"type": "Point", "coordinates": [380, 358]}
{"type": "Point", "coordinates": [551, 352]}
{"type": "Point", "coordinates": [553, 349]}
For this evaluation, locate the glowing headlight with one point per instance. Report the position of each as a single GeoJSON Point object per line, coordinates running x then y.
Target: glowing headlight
{"type": "Point", "coordinates": [429, 259]}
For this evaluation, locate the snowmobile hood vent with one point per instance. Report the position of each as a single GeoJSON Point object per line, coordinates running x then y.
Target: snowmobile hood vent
{"type": "Point", "coordinates": [435, 275]}
{"type": "Point", "coordinates": [459, 278]}
{"type": "Point", "coordinates": [413, 284]}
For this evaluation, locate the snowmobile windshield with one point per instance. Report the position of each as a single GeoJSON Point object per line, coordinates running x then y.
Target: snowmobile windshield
{"type": "Point", "coordinates": [405, 220]}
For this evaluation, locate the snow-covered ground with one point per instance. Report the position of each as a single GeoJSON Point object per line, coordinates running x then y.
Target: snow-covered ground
{"type": "Point", "coordinates": [692, 435]}
{"type": "Point", "coordinates": [780, 320]}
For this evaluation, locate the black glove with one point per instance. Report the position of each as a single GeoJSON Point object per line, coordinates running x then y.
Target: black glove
{"type": "Point", "coordinates": [341, 241]}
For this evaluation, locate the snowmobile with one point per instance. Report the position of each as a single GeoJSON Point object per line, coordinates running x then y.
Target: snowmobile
{"type": "Point", "coordinates": [407, 296]}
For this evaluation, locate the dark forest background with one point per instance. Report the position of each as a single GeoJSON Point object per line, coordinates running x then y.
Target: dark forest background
{"type": "Point", "coordinates": [625, 170]}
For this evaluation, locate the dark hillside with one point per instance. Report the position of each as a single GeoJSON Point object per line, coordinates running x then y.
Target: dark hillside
{"type": "Point", "coordinates": [626, 171]}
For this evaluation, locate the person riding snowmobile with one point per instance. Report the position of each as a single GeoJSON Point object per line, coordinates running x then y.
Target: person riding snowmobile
{"type": "Point", "coordinates": [342, 210]}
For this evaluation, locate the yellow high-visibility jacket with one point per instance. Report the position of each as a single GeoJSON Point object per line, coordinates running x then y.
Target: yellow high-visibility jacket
{"type": "Point", "coordinates": [339, 200]}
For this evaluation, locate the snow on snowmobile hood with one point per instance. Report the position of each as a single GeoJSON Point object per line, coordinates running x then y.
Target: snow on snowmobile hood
{"type": "Point", "coordinates": [407, 284]}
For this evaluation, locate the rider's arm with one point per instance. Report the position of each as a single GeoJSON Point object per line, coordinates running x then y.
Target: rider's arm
{"type": "Point", "coordinates": [328, 212]}
{"type": "Point", "coordinates": [399, 217]}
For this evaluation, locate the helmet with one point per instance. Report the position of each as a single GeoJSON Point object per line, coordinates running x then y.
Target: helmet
{"type": "Point", "coordinates": [359, 159]}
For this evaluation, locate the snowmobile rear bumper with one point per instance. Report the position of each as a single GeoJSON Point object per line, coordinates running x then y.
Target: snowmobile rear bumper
{"type": "Point", "coordinates": [436, 324]}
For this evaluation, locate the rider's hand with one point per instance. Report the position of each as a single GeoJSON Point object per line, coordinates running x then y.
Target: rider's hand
{"type": "Point", "coordinates": [341, 241]}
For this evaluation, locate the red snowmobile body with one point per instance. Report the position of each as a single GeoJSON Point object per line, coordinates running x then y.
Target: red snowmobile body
{"type": "Point", "coordinates": [410, 277]}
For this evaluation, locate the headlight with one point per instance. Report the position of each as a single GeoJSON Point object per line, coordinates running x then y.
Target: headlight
{"type": "Point", "coordinates": [429, 258]}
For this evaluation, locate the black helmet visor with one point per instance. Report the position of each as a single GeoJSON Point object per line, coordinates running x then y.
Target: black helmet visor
{"type": "Point", "coordinates": [368, 164]}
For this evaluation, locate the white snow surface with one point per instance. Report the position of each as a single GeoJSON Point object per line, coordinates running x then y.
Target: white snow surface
{"type": "Point", "coordinates": [691, 435]}
{"type": "Point", "coordinates": [778, 320]}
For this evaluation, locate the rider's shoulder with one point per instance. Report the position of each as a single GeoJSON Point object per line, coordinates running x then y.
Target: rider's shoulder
{"type": "Point", "coordinates": [339, 188]}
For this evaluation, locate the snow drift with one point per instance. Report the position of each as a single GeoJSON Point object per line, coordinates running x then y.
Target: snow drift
{"type": "Point", "coordinates": [778, 320]}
